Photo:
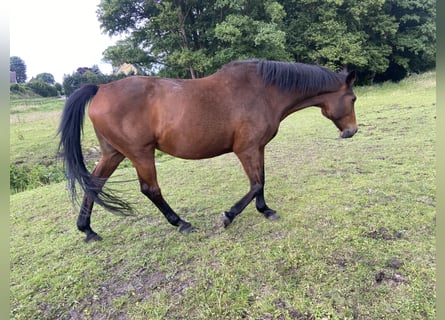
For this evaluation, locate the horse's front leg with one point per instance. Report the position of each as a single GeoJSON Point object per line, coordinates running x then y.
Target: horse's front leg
{"type": "Point", "coordinates": [228, 216]}
{"type": "Point", "coordinates": [261, 205]}
{"type": "Point", "coordinates": [253, 164]}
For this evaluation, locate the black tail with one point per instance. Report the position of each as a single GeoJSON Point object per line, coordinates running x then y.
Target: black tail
{"type": "Point", "coordinates": [70, 131]}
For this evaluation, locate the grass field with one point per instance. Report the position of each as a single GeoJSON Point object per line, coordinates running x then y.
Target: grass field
{"type": "Point", "coordinates": [356, 238]}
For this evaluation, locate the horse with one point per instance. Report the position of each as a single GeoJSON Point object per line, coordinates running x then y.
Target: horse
{"type": "Point", "coordinates": [237, 109]}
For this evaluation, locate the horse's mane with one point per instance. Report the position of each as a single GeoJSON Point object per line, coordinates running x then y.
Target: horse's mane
{"type": "Point", "coordinates": [299, 76]}
{"type": "Point", "coordinates": [304, 78]}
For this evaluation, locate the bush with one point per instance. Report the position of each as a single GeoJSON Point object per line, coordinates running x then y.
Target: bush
{"type": "Point", "coordinates": [17, 88]}
{"type": "Point", "coordinates": [26, 177]}
{"type": "Point", "coordinates": [77, 80]}
{"type": "Point", "coordinates": [59, 87]}
{"type": "Point", "coordinates": [42, 88]}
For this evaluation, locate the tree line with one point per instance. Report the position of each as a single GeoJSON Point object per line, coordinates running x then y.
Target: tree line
{"type": "Point", "coordinates": [382, 39]}
{"type": "Point", "coordinates": [45, 85]}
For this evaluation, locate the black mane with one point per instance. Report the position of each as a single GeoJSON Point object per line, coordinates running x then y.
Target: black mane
{"type": "Point", "coordinates": [304, 78]}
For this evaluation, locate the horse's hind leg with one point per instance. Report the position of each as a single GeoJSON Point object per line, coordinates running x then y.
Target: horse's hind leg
{"type": "Point", "coordinates": [149, 187]}
{"type": "Point", "coordinates": [108, 162]}
{"type": "Point", "coordinates": [84, 220]}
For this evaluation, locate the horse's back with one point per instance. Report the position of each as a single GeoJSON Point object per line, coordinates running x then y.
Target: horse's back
{"type": "Point", "coordinates": [196, 118]}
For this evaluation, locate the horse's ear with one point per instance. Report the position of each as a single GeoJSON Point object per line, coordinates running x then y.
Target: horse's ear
{"type": "Point", "coordinates": [351, 78]}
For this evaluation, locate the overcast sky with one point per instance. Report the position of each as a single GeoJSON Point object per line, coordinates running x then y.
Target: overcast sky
{"type": "Point", "coordinates": [57, 36]}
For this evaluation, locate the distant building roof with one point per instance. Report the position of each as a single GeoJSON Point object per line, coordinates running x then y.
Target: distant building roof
{"type": "Point", "coordinates": [126, 69]}
{"type": "Point", "coordinates": [12, 77]}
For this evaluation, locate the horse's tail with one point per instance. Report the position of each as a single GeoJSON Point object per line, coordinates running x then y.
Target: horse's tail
{"type": "Point", "coordinates": [70, 131]}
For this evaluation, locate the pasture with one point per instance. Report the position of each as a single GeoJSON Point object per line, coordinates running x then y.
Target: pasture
{"type": "Point", "coordinates": [356, 238]}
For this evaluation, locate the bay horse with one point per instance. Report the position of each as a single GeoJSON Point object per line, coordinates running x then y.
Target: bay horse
{"type": "Point", "coordinates": [237, 109]}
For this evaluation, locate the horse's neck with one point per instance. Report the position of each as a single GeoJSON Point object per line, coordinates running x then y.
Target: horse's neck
{"type": "Point", "coordinates": [293, 103]}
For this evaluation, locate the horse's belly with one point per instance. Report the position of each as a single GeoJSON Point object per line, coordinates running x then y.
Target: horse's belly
{"type": "Point", "coordinates": [195, 146]}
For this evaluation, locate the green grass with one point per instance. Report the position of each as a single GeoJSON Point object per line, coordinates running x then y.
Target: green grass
{"type": "Point", "coordinates": [356, 239]}
{"type": "Point", "coordinates": [33, 129]}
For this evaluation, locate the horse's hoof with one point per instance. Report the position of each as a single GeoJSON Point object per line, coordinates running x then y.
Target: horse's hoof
{"type": "Point", "coordinates": [226, 220]}
{"type": "Point", "coordinates": [92, 237]}
{"type": "Point", "coordinates": [271, 215]}
{"type": "Point", "coordinates": [186, 228]}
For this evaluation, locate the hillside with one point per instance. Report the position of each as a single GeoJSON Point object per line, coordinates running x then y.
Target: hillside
{"type": "Point", "coordinates": [356, 239]}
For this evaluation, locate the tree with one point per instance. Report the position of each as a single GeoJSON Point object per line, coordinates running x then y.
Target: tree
{"type": "Point", "coordinates": [59, 88]}
{"type": "Point", "coordinates": [383, 39]}
{"type": "Point", "coordinates": [18, 65]}
{"type": "Point", "coordinates": [341, 33]}
{"type": "Point", "coordinates": [257, 33]}
{"type": "Point", "coordinates": [191, 38]}
{"type": "Point", "coordinates": [80, 77]}
{"type": "Point", "coordinates": [414, 44]}
{"type": "Point", "coordinates": [85, 75]}
{"type": "Point", "coordinates": [46, 77]}
{"type": "Point", "coordinates": [128, 51]}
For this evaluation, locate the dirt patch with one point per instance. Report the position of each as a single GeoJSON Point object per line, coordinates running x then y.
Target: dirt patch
{"type": "Point", "coordinates": [134, 290]}
{"type": "Point", "coordinates": [395, 263]}
{"type": "Point", "coordinates": [392, 279]}
{"type": "Point", "coordinates": [384, 234]}
{"type": "Point", "coordinates": [291, 312]}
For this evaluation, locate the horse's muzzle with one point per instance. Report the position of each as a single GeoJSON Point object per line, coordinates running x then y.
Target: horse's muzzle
{"type": "Point", "coordinates": [348, 133]}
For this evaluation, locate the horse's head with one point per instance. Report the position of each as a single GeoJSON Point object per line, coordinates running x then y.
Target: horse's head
{"type": "Point", "coordinates": [338, 106]}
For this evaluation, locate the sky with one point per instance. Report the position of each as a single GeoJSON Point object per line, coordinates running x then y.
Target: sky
{"type": "Point", "coordinates": [57, 36]}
